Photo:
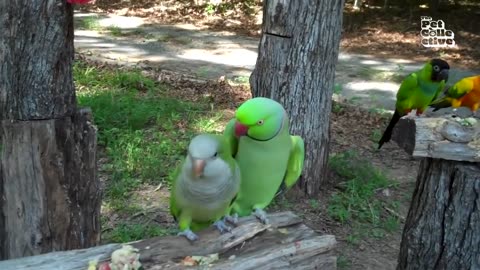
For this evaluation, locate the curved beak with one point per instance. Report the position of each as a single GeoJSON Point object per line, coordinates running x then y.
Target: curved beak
{"type": "Point", "coordinates": [198, 166]}
{"type": "Point", "coordinates": [443, 75]}
{"type": "Point", "coordinates": [240, 129]}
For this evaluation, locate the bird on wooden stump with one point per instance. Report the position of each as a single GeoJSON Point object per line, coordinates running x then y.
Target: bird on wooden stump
{"type": "Point", "coordinates": [416, 92]}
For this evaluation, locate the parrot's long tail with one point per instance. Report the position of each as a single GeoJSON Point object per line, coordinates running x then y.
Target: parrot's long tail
{"type": "Point", "coordinates": [441, 103]}
{"type": "Point", "coordinates": [387, 135]}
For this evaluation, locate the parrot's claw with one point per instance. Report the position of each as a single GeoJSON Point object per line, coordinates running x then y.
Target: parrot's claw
{"type": "Point", "coordinates": [221, 226]}
{"type": "Point", "coordinates": [261, 215]}
{"type": "Point", "coordinates": [232, 219]}
{"type": "Point", "coordinates": [189, 235]}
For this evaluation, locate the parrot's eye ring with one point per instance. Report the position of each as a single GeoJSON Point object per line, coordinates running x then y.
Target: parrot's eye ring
{"type": "Point", "coordinates": [436, 68]}
{"type": "Point", "coordinates": [260, 122]}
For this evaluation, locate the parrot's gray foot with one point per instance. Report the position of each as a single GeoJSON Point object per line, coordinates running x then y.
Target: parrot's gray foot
{"type": "Point", "coordinates": [261, 215]}
{"type": "Point", "coordinates": [221, 226]}
{"type": "Point", "coordinates": [188, 234]}
{"type": "Point", "coordinates": [232, 219]}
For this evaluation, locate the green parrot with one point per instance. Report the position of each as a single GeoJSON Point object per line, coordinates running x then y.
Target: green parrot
{"type": "Point", "coordinates": [417, 91]}
{"type": "Point", "coordinates": [268, 156]}
{"type": "Point", "coordinates": [205, 186]}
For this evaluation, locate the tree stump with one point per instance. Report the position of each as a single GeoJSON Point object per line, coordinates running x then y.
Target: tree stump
{"type": "Point", "coordinates": [49, 192]}
{"type": "Point", "coordinates": [296, 62]}
{"type": "Point", "coordinates": [285, 243]}
{"type": "Point", "coordinates": [442, 229]}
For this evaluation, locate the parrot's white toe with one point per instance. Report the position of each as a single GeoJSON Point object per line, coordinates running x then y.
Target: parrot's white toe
{"type": "Point", "coordinates": [232, 219]}
{"type": "Point", "coordinates": [261, 215]}
{"type": "Point", "coordinates": [221, 226]}
{"type": "Point", "coordinates": [189, 235]}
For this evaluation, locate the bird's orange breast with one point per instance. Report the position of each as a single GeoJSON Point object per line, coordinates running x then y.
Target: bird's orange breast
{"type": "Point", "coordinates": [472, 98]}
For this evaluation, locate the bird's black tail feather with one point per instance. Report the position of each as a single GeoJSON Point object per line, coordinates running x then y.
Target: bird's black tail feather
{"type": "Point", "coordinates": [442, 103]}
{"type": "Point", "coordinates": [388, 132]}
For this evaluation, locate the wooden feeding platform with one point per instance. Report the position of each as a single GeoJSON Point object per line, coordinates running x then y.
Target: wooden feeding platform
{"type": "Point", "coordinates": [442, 229]}
{"type": "Point", "coordinates": [285, 243]}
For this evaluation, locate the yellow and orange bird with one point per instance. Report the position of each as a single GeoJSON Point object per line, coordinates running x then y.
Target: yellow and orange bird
{"type": "Point", "coordinates": [464, 93]}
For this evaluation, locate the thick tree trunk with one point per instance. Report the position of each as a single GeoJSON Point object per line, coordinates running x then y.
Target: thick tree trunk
{"type": "Point", "coordinates": [442, 230]}
{"type": "Point", "coordinates": [48, 185]}
{"type": "Point", "coordinates": [298, 52]}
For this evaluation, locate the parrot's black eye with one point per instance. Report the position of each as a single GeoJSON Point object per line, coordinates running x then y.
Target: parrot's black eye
{"type": "Point", "coordinates": [260, 122]}
{"type": "Point", "coordinates": [216, 154]}
{"type": "Point", "coordinates": [436, 68]}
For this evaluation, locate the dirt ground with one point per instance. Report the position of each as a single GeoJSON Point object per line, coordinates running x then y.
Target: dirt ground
{"type": "Point", "coordinates": [389, 35]}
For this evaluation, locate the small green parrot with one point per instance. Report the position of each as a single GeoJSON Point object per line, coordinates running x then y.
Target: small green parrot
{"type": "Point", "coordinates": [416, 92]}
{"type": "Point", "coordinates": [268, 156]}
{"type": "Point", "coordinates": [206, 184]}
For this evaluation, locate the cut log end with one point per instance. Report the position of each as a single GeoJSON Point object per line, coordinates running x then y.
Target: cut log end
{"type": "Point", "coordinates": [448, 137]}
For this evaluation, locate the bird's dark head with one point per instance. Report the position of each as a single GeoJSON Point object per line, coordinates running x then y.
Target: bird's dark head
{"type": "Point", "coordinates": [440, 70]}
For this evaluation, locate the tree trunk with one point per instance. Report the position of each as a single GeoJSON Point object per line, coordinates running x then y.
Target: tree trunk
{"type": "Point", "coordinates": [298, 52]}
{"type": "Point", "coordinates": [442, 230]}
{"type": "Point", "coordinates": [48, 185]}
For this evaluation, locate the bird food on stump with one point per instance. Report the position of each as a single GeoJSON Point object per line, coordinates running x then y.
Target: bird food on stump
{"type": "Point", "coordinates": [442, 229]}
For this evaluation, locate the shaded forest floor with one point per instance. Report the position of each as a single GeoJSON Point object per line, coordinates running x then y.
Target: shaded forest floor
{"type": "Point", "coordinates": [371, 30]}
{"type": "Point", "coordinates": [146, 118]}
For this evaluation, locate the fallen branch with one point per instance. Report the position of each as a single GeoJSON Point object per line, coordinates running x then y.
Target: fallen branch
{"type": "Point", "coordinates": [284, 243]}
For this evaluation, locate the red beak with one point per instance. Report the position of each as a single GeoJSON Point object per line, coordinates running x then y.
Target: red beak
{"type": "Point", "coordinates": [240, 129]}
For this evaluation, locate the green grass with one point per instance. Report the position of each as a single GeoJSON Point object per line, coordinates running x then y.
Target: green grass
{"type": "Point", "coordinates": [375, 136]}
{"type": "Point", "coordinates": [144, 132]}
{"type": "Point", "coordinates": [343, 262]}
{"type": "Point", "coordinates": [357, 203]}
{"type": "Point", "coordinates": [132, 232]}
{"type": "Point", "coordinates": [115, 31]}
{"type": "Point", "coordinates": [88, 23]}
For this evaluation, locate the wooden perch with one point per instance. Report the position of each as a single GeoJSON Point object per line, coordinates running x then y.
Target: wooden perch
{"type": "Point", "coordinates": [285, 243]}
{"type": "Point", "coordinates": [445, 138]}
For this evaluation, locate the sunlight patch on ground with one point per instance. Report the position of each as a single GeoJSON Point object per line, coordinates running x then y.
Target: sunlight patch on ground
{"type": "Point", "coordinates": [87, 33]}
{"type": "Point", "coordinates": [237, 57]}
{"type": "Point", "coordinates": [364, 86]}
{"type": "Point", "coordinates": [370, 62]}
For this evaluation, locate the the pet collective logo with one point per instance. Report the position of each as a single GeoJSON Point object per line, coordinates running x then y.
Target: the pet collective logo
{"type": "Point", "coordinates": [434, 34]}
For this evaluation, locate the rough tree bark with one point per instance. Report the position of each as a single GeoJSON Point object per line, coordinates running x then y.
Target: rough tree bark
{"type": "Point", "coordinates": [298, 52]}
{"type": "Point", "coordinates": [442, 230]}
{"type": "Point", "coordinates": [49, 195]}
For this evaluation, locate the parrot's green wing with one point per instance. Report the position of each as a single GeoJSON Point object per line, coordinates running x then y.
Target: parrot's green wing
{"type": "Point", "coordinates": [229, 134]}
{"type": "Point", "coordinates": [174, 210]}
{"type": "Point", "coordinates": [441, 86]}
{"type": "Point", "coordinates": [406, 92]}
{"type": "Point", "coordinates": [295, 162]}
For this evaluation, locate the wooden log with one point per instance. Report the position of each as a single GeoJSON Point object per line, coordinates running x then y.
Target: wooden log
{"type": "Point", "coordinates": [442, 229]}
{"type": "Point", "coordinates": [285, 243]}
{"type": "Point", "coordinates": [48, 185]}
{"type": "Point", "coordinates": [446, 138]}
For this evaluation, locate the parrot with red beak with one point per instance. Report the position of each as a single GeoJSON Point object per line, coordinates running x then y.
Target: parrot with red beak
{"type": "Point", "coordinates": [270, 159]}
{"type": "Point", "coordinates": [205, 186]}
